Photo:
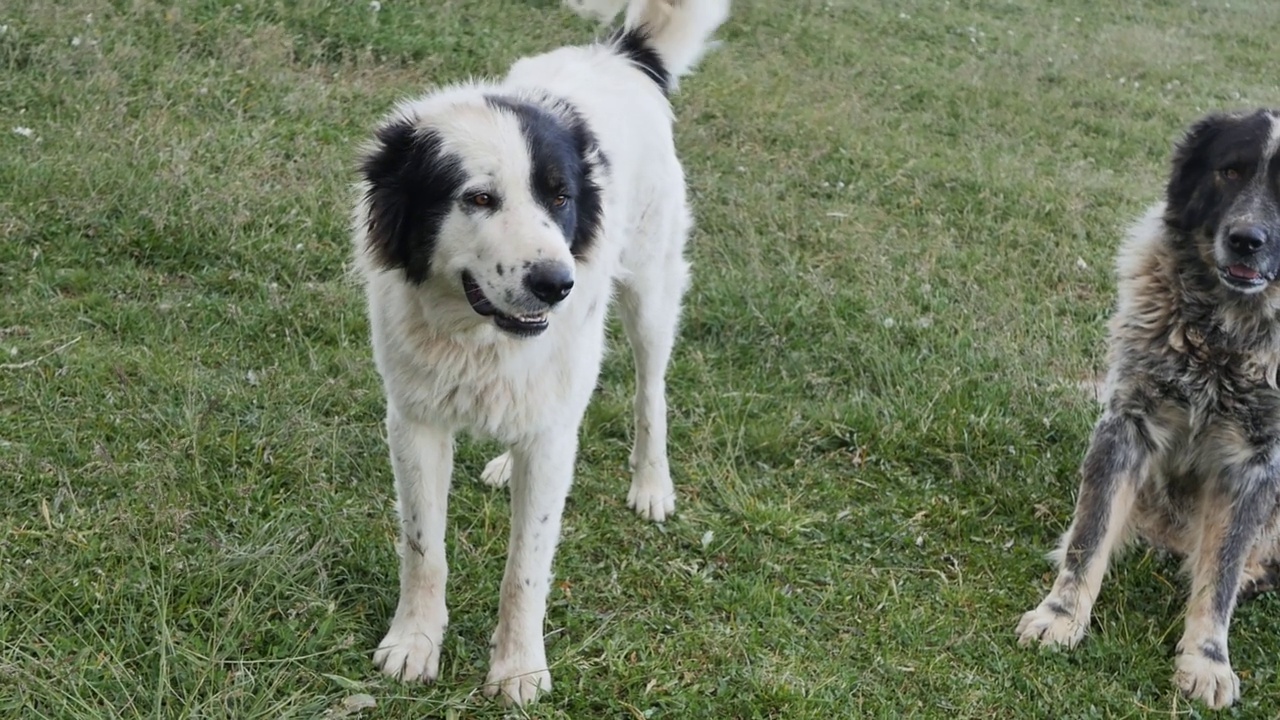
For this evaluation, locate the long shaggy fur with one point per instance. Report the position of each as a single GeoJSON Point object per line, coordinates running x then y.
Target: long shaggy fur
{"type": "Point", "coordinates": [1187, 452]}
{"type": "Point", "coordinates": [496, 222]}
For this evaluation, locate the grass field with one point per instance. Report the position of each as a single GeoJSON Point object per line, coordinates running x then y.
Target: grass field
{"type": "Point", "coordinates": [906, 216]}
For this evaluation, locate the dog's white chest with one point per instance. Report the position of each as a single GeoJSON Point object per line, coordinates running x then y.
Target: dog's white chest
{"type": "Point", "coordinates": [489, 385]}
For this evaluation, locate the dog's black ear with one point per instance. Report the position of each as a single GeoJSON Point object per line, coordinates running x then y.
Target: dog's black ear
{"type": "Point", "coordinates": [590, 205]}
{"type": "Point", "coordinates": [1190, 194]}
{"type": "Point", "coordinates": [410, 184]}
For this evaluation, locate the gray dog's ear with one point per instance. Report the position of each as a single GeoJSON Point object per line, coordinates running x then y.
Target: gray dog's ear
{"type": "Point", "coordinates": [410, 182]}
{"type": "Point", "coordinates": [1187, 193]}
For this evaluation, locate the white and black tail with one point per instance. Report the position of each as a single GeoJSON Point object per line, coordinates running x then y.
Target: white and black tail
{"type": "Point", "coordinates": [664, 38]}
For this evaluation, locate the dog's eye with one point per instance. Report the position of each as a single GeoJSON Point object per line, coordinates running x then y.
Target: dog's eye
{"type": "Point", "coordinates": [1230, 174]}
{"type": "Point", "coordinates": [560, 200]}
{"type": "Point", "coordinates": [481, 199]}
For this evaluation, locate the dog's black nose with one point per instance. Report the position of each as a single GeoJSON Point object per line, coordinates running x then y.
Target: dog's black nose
{"type": "Point", "coordinates": [549, 281]}
{"type": "Point", "coordinates": [1247, 239]}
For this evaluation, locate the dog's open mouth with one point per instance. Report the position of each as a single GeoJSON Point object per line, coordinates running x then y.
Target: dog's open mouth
{"type": "Point", "coordinates": [1242, 276]}
{"type": "Point", "coordinates": [523, 325]}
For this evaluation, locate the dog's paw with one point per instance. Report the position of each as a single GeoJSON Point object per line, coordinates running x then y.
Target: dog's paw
{"type": "Point", "coordinates": [652, 495]}
{"type": "Point", "coordinates": [1209, 681]}
{"type": "Point", "coordinates": [498, 472]}
{"type": "Point", "coordinates": [411, 650]}
{"type": "Point", "coordinates": [1052, 626]}
{"type": "Point", "coordinates": [518, 681]}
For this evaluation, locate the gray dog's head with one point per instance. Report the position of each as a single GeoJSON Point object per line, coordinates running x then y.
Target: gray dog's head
{"type": "Point", "coordinates": [1224, 192]}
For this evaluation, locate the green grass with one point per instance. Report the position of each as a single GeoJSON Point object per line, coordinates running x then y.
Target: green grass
{"type": "Point", "coordinates": [906, 216]}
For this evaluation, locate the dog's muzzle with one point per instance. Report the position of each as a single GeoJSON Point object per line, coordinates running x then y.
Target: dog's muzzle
{"type": "Point", "coordinates": [522, 325]}
{"type": "Point", "coordinates": [1251, 261]}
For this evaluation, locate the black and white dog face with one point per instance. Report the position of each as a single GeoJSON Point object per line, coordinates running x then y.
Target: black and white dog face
{"type": "Point", "coordinates": [1225, 193]}
{"type": "Point", "coordinates": [492, 198]}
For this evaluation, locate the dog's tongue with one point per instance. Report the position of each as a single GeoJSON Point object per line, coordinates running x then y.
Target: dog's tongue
{"type": "Point", "coordinates": [1244, 273]}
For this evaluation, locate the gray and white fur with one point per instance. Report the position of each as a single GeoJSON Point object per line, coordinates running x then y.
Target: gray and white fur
{"type": "Point", "coordinates": [1186, 454]}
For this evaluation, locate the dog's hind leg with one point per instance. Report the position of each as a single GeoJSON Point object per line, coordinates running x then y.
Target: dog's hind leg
{"type": "Point", "coordinates": [1262, 571]}
{"type": "Point", "coordinates": [497, 472]}
{"type": "Point", "coordinates": [422, 458]}
{"type": "Point", "coordinates": [1259, 578]}
{"type": "Point", "coordinates": [541, 473]}
{"type": "Point", "coordinates": [1232, 514]}
{"type": "Point", "coordinates": [649, 305]}
{"type": "Point", "coordinates": [1113, 469]}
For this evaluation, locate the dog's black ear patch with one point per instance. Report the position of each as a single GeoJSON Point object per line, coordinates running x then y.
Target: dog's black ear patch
{"type": "Point", "coordinates": [590, 205]}
{"type": "Point", "coordinates": [411, 185]}
{"type": "Point", "coordinates": [634, 45]}
{"type": "Point", "coordinates": [1196, 200]}
{"type": "Point", "coordinates": [1190, 196]}
{"type": "Point", "coordinates": [565, 159]}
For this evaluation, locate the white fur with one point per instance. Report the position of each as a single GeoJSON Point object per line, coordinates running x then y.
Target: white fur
{"type": "Point", "coordinates": [680, 29]}
{"type": "Point", "coordinates": [447, 369]}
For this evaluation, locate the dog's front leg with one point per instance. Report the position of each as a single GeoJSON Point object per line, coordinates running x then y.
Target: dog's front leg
{"type": "Point", "coordinates": [541, 473]}
{"type": "Point", "coordinates": [1232, 512]}
{"type": "Point", "coordinates": [422, 458]}
{"type": "Point", "coordinates": [1114, 466]}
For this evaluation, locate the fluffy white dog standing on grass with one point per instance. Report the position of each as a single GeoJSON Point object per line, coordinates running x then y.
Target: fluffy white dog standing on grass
{"type": "Point", "coordinates": [495, 222]}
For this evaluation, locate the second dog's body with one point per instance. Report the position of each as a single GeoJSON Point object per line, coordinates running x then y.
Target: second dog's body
{"type": "Point", "coordinates": [1187, 452]}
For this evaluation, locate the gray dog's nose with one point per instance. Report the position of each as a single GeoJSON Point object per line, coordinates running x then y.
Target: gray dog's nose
{"type": "Point", "coordinates": [549, 281]}
{"type": "Point", "coordinates": [1247, 239]}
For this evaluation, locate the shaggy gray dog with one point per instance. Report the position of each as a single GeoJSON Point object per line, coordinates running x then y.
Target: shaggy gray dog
{"type": "Point", "coordinates": [1187, 452]}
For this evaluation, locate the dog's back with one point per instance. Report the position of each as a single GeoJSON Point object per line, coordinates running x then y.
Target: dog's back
{"type": "Point", "coordinates": [620, 86]}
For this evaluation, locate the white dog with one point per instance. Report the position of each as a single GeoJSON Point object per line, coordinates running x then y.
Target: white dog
{"type": "Point", "coordinates": [495, 222]}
